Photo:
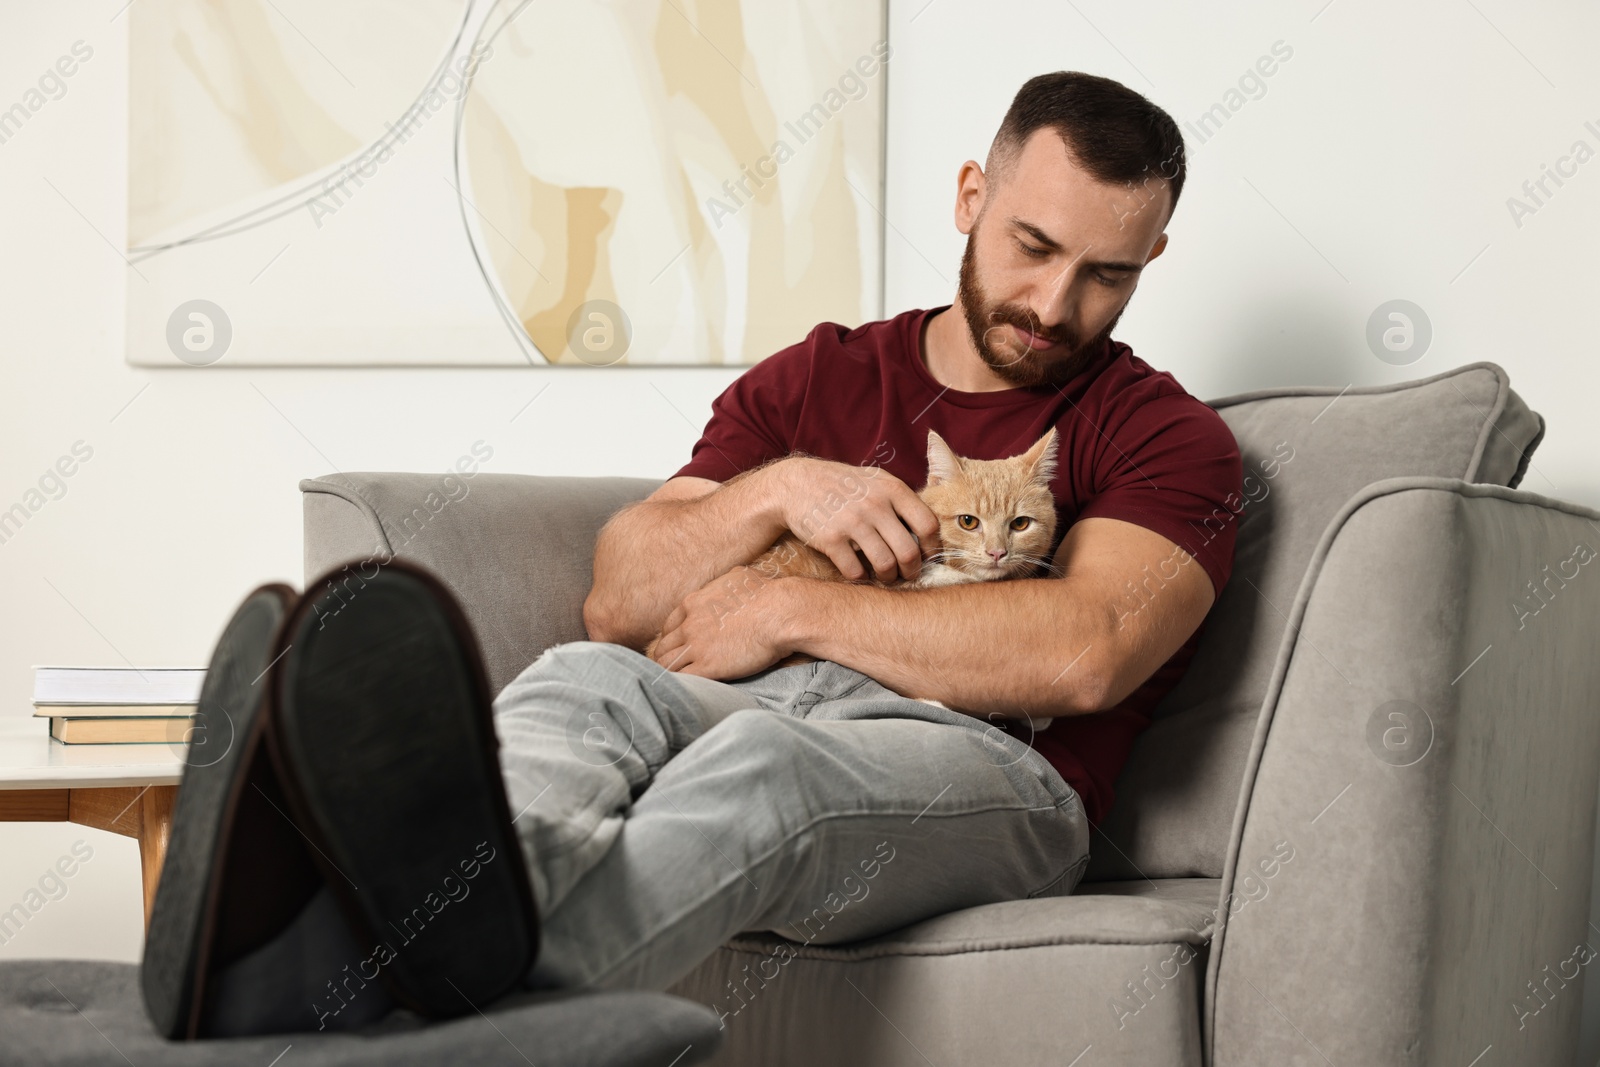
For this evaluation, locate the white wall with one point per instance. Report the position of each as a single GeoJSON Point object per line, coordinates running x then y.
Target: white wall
{"type": "Point", "coordinates": [1376, 166]}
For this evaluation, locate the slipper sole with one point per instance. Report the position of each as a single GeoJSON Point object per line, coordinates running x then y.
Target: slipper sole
{"type": "Point", "coordinates": [385, 738]}
{"type": "Point", "coordinates": [225, 740]}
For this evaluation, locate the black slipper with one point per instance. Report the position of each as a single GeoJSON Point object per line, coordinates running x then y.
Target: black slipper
{"type": "Point", "coordinates": [384, 738]}
{"type": "Point", "coordinates": [220, 829]}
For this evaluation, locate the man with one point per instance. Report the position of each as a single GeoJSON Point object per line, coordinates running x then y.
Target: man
{"type": "Point", "coordinates": [650, 810]}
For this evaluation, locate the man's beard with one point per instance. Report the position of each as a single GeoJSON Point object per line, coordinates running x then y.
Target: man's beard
{"type": "Point", "coordinates": [1012, 360]}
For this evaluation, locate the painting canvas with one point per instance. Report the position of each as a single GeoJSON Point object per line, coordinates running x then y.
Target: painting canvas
{"type": "Point", "coordinates": [500, 182]}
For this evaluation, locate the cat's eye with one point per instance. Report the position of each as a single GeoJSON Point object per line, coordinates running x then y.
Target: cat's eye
{"type": "Point", "coordinates": [967, 522]}
{"type": "Point", "coordinates": [1020, 523]}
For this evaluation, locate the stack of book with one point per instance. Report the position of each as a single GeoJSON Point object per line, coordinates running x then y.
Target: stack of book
{"type": "Point", "coordinates": [117, 705]}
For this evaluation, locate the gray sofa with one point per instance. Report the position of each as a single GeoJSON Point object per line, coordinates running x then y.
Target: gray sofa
{"type": "Point", "coordinates": [1359, 832]}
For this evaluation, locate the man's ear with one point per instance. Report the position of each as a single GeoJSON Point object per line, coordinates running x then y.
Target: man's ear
{"type": "Point", "coordinates": [943, 464]}
{"type": "Point", "coordinates": [971, 189]}
{"type": "Point", "coordinates": [1041, 458]}
{"type": "Point", "coordinates": [1159, 247]}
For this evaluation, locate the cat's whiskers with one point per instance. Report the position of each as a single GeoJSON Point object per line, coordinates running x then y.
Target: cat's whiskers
{"type": "Point", "coordinates": [983, 567]}
{"type": "Point", "coordinates": [1030, 561]}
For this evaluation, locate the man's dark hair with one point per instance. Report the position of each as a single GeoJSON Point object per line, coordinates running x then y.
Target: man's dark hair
{"type": "Point", "coordinates": [1111, 131]}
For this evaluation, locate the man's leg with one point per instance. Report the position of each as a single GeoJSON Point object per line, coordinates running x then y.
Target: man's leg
{"type": "Point", "coordinates": [827, 809]}
{"type": "Point", "coordinates": [583, 731]}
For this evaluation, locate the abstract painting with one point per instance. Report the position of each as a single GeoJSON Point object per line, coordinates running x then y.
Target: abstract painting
{"type": "Point", "coordinates": [500, 182]}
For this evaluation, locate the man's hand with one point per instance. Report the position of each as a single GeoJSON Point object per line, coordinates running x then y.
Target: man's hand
{"type": "Point", "coordinates": [840, 510]}
{"type": "Point", "coordinates": [653, 554]}
{"type": "Point", "coordinates": [727, 629]}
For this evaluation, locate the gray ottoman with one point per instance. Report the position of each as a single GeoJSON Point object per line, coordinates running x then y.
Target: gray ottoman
{"type": "Point", "coordinates": [59, 1012]}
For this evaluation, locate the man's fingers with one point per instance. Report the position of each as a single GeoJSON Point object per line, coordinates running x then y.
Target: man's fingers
{"type": "Point", "coordinates": [905, 548]}
{"type": "Point", "coordinates": [670, 637]}
{"type": "Point", "coordinates": [675, 619]}
{"type": "Point", "coordinates": [917, 515]}
{"type": "Point", "coordinates": [884, 564]}
{"type": "Point", "coordinates": [668, 647]}
{"type": "Point", "coordinates": [844, 557]}
{"type": "Point", "coordinates": [696, 667]}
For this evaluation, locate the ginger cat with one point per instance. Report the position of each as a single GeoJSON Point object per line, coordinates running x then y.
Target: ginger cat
{"type": "Point", "coordinates": [997, 520]}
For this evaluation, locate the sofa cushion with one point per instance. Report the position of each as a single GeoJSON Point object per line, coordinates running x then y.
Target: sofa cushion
{"type": "Point", "coordinates": [1118, 968]}
{"type": "Point", "coordinates": [1306, 452]}
{"type": "Point", "coordinates": [55, 1013]}
{"type": "Point", "coordinates": [517, 550]}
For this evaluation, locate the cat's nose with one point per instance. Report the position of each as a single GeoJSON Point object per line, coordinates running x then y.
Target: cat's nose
{"type": "Point", "coordinates": [997, 554]}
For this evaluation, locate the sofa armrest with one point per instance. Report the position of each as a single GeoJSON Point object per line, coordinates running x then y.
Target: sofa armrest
{"type": "Point", "coordinates": [516, 549]}
{"type": "Point", "coordinates": [1427, 756]}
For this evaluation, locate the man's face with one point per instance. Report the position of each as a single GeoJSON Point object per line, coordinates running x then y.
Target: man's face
{"type": "Point", "coordinates": [1052, 258]}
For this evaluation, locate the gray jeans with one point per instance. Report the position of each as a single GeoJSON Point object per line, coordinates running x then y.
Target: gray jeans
{"type": "Point", "coordinates": [660, 814]}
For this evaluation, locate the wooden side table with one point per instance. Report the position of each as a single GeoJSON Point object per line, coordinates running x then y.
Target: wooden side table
{"type": "Point", "coordinates": [127, 789]}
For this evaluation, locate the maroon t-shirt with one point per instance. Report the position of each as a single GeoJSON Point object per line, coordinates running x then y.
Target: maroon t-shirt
{"type": "Point", "coordinates": [1132, 446]}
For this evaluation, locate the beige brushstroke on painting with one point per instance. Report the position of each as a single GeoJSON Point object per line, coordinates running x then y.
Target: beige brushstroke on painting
{"type": "Point", "coordinates": [786, 296]}
{"type": "Point", "coordinates": [233, 103]}
{"type": "Point", "coordinates": [240, 66]}
{"type": "Point", "coordinates": [802, 254]}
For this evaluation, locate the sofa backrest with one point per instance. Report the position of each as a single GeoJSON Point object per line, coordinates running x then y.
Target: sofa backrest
{"type": "Point", "coordinates": [1306, 451]}
{"type": "Point", "coordinates": [517, 550]}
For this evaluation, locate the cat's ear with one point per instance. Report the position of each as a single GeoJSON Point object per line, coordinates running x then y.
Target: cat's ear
{"type": "Point", "coordinates": [943, 464]}
{"type": "Point", "coordinates": [1041, 459]}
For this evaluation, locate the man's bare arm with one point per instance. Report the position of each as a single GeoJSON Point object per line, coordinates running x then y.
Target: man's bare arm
{"type": "Point", "coordinates": [654, 553]}
{"type": "Point", "coordinates": [1057, 646]}
{"type": "Point", "coordinates": [682, 536]}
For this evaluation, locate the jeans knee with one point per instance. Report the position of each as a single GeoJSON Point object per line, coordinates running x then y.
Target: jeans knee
{"type": "Point", "coordinates": [751, 767]}
{"type": "Point", "coordinates": [759, 732]}
{"type": "Point", "coordinates": [757, 752]}
{"type": "Point", "coordinates": [576, 659]}
{"type": "Point", "coordinates": [557, 668]}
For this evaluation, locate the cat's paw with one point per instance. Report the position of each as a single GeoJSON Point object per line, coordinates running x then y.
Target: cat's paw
{"type": "Point", "coordinates": [939, 574]}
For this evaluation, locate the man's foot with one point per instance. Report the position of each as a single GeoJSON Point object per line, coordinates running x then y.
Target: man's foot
{"type": "Point", "coordinates": [383, 733]}
{"type": "Point", "coordinates": [224, 831]}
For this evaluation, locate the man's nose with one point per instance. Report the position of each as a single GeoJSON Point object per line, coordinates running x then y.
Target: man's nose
{"type": "Point", "coordinates": [1059, 304]}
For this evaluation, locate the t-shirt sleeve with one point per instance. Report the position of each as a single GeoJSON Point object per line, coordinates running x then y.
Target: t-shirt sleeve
{"type": "Point", "coordinates": [753, 421]}
{"type": "Point", "coordinates": [1173, 466]}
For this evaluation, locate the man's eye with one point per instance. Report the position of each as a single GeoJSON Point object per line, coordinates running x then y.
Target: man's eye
{"type": "Point", "coordinates": [1108, 280]}
{"type": "Point", "coordinates": [967, 522]}
{"type": "Point", "coordinates": [1020, 523]}
{"type": "Point", "coordinates": [1030, 250]}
